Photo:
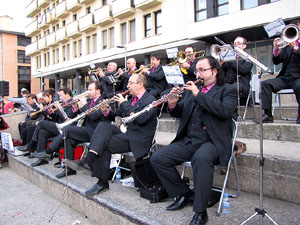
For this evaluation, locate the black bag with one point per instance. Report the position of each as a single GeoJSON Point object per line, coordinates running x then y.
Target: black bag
{"type": "Point", "coordinates": [146, 180]}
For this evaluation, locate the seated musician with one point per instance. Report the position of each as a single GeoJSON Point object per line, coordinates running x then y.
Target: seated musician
{"type": "Point", "coordinates": [108, 139]}
{"type": "Point", "coordinates": [244, 71]}
{"type": "Point", "coordinates": [156, 80]}
{"type": "Point", "coordinates": [47, 129]}
{"type": "Point", "coordinates": [288, 77]}
{"type": "Point", "coordinates": [203, 137]}
{"type": "Point", "coordinates": [78, 134]}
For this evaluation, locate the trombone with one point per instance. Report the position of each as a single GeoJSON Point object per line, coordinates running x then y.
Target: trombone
{"type": "Point", "coordinates": [217, 50]}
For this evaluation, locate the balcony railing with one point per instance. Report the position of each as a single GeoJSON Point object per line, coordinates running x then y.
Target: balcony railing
{"type": "Point", "coordinates": [32, 29]}
{"type": "Point", "coordinates": [32, 8]}
{"type": "Point", "coordinates": [122, 8]}
{"type": "Point", "coordinates": [146, 4]}
{"type": "Point", "coordinates": [73, 29]}
{"type": "Point", "coordinates": [103, 15]}
{"type": "Point", "coordinates": [73, 5]}
{"type": "Point", "coordinates": [86, 1]}
{"type": "Point", "coordinates": [61, 10]}
{"type": "Point", "coordinates": [86, 23]}
{"type": "Point", "coordinates": [43, 3]}
{"type": "Point", "coordinates": [32, 49]}
{"type": "Point", "coordinates": [42, 21]}
{"type": "Point", "coordinates": [42, 44]}
{"type": "Point", "coordinates": [61, 34]}
{"type": "Point", "coordinates": [51, 39]}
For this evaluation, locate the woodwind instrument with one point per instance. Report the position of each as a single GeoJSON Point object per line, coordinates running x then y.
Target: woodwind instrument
{"type": "Point", "coordinates": [45, 108]}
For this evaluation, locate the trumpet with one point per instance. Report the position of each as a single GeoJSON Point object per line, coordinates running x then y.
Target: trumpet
{"type": "Point", "coordinates": [61, 126]}
{"type": "Point", "coordinates": [94, 73]}
{"type": "Point", "coordinates": [76, 99]}
{"type": "Point", "coordinates": [140, 69]}
{"type": "Point", "coordinates": [289, 34]}
{"type": "Point", "coordinates": [123, 122]}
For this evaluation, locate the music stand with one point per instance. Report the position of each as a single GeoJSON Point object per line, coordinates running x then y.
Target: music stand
{"type": "Point", "coordinates": [260, 211]}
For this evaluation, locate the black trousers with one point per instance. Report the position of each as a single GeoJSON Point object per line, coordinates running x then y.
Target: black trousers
{"type": "Point", "coordinates": [277, 84]}
{"type": "Point", "coordinates": [45, 130]}
{"type": "Point", "coordinates": [23, 132]}
{"type": "Point", "coordinates": [203, 159]}
{"type": "Point", "coordinates": [75, 135]}
{"type": "Point", "coordinates": [107, 140]}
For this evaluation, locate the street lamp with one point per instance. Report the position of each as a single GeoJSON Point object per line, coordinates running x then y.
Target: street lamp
{"type": "Point", "coordinates": [125, 49]}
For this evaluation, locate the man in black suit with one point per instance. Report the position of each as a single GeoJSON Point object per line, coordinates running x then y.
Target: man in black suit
{"type": "Point", "coordinates": [288, 77]}
{"type": "Point", "coordinates": [108, 82]}
{"type": "Point", "coordinates": [156, 80]}
{"type": "Point", "coordinates": [78, 134]}
{"type": "Point", "coordinates": [188, 68]}
{"type": "Point", "coordinates": [241, 69]}
{"type": "Point", "coordinates": [108, 139]}
{"type": "Point", "coordinates": [131, 67]}
{"type": "Point", "coordinates": [203, 137]}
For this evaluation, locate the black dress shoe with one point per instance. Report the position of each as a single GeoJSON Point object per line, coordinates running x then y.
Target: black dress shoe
{"type": "Point", "coordinates": [214, 198]}
{"type": "Point", "coordinates": [97, 188]}
{"type": "Point", "coordinates": [180, 202]}
{"type": "Point", "coordinates": [42, 155]}
{"type": "Point", "coordinates": [39, 162]}
{"type": "Point", "coordinates": [79, 166]}
{"type": "Point", "coordinates": [22, 148]}
{"type": "Point", "coordinates": [199, 218]}
{"type": "Point", "coordinates": [298, 120]}
{"type": "Point", "coordinates": [265, 119]}
{"type": "Point", "coordinates": [63, 173]}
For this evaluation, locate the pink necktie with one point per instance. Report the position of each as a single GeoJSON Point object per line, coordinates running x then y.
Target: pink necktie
{"type": "Point", "coordinates": [92, 103]}
{"type": "Point", "coordinates": [153, 69]}
{"type": "Point", "coordinates": [204, 90]}
{"type": "Point", "coordinates": [134, 100]}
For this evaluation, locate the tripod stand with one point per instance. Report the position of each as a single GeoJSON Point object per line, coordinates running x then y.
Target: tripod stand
{"type": "Point", "coordinates": [260, 211]}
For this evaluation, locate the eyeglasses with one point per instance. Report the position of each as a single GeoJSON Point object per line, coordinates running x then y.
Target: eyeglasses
{"type": "Point", "coordinates": [201, 70]}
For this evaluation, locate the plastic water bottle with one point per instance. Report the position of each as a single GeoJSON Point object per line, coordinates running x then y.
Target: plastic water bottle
{"type": "Point", "coordinates": [118, 175]}
{"type": "Point", "coordinates": [226, 204]}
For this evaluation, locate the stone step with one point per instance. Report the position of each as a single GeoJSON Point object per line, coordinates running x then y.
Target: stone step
{"type": "Point", "coordinates": [123, 205]}
{"type": "Point", "coordinates": [281, 171]}
{"type": "Point", "coordinates": [279, 130]}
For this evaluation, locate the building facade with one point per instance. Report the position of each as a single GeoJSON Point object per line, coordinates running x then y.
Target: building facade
{"type": "Point", "coordinates": [68, 36]}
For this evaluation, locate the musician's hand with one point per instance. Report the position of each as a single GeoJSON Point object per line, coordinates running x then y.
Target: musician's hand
{"type": "Point", "coordinates": [101, 73]}
{"type": "Point", "coordinates": [83, 100]}
{"type": "Point", "coordinates": [104, 108]}
{"type": "Point", "coordinates": [190, 86]}
{"type": "Point", "coordinates": [292, 45]}
{"type": "Point", "coordinates": [120, 71]}
{"type": "Point", "coordinates": [120, 99]}
{"type": "Point", "coordinates": [185, 65]}
{"type": "Point", "coordinates": [144, 69]}
{"type": "Point", "coordinates": [275, 43]}
{"type": "Point", "coordinates": [174, 100]}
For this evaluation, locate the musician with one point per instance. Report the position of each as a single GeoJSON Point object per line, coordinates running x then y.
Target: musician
{"type": "Point", "coordinates": [131, 67]}
{"type": "Point", "coordinates": [48, 129]}
{"type": "Point", "coordinates": [188, 68]}
{"type": "Point", "coordinates": [78, 134]}
{"type": "Point", "coordinates": [288, 77]}
{"type": "Point", "coordinates": [243, 70]}
{"type": "Point", "coordinates": [108, 81]}
{"type": "Point", "coordinates": [108, 139]}
{"type": "Point", "coordinates": [156, 80]}
{"type": "Point", "coordinates": [203, 137]}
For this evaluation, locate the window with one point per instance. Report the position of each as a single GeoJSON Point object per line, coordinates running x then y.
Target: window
{"type": "Point", "coordinates": [64, 52]}
{"type": "Point", "coordinates": [104, 2]}
{"type": "Point", "coordinates": [158, 22]}
{"type": "Point", "coordinates": [246, 4]}
{"type": "Point", "coordinates": [22, 58]}
{"type": "Point", "coordinates": [68, 52]}
{"type": "Point", "coordinates": [222, 7]}
{"type": "Point", "coordinates": [148, 25]}
{"type": "Point", "coordinates": [200, 10]}
{"type": "Point", "coordinates": [104, 39]}
{"type": "Point", "coordinates": [111, 37]}
{"type": "Point", "coordinates": [94, 42]}
{"type": "Point", "coordinates": [23, 41]}
{"type": "Point", "coordinates": [88, 45]}
{"type": "Point", "coordinates": [123, 33]}
{"type": "Point", "coordinates": [63, 23]}
{"type": "Point", "coordinates": [24, 73]}
{"type": "Point", "coordinates": [38, 61]}
{"type": "Point", "coordinates": [132, 30]}
{"type": "Point", "coordinates": [74, 17]}
{"type": "Point", "coordinates": [88, 10]}
{"type": "Point", "coordinates": [53, 56]}
{"type": "Point", "coordinates": [57, 55]}
{"type": "Point", "coordinates": [80, 47]}
{"type": "Point", "coordinates": [75, 49]}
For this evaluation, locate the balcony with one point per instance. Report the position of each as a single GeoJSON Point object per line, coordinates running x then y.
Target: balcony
{"type": "Point", "coordinates": [122, 8]}
{"type": "Point", "coordinates": [32, 49]}
{"type": "Point", "coordinates": [32, 9]}
{"type": "Point", "coordinates": [61, 35]}
{"type": "Point", "coordinates": [42, 21]}
{"type": "Point", "coordinates": [73, 5]}
{"type": "Point", "coordinates": [32, 29]}
{"type": "Point", "coordinates": [42, 44]}
{"type": "Point", "coordinates": [73, 29]}
{"type": "Point", "coordinates": [61, 10]}
{"type": "Point", "coordinates": [51, 17]}
{"type": "Point", "coordinates": [146, 4]}
{"type": "Point", "coordinates": [103, 15]}
{"type": "Point", "coordinates": [51, 39]}
{"type": "Point", "coordinates": [86, 1]}
{"type": "Point", "coordinates": [43, 3]}
{"type": "Point", "coordinates": [86, 23]}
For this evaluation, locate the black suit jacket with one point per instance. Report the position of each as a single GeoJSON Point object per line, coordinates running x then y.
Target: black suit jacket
{"type": "Point", "coordinates": [288, 58]}
{"type": "Point", "coordinates": [157, 80]}
{"type": "Point", "coordinates": [191, 75]}
{"type": "Point", "coordinates": [218, 106]}
{"type": "Point", "coordinates": [140, 131]}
